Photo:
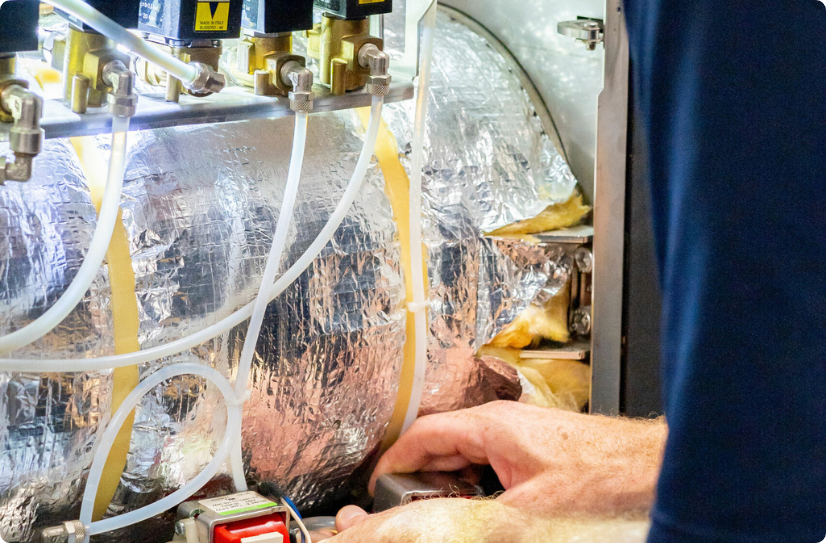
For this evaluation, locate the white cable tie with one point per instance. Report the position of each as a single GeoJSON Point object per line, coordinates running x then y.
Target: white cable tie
{"type": "Point", "coordinates": [240, 401]}
{"type": "Point", "coordinates": [416, 307]}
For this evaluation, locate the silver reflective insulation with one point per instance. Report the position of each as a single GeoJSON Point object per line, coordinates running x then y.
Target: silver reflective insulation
{"type": "Point", "coordinates": [487, 163]}
{"type": "Point", "coordinates": [49, 422]}
{"type": "Point", "coordinates": [199, 208]}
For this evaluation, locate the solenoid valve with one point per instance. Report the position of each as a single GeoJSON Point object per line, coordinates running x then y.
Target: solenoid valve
{"type": "Point", "coordinates": [349, 57]}
{"type": "Point", "coordinates": [245, 517]}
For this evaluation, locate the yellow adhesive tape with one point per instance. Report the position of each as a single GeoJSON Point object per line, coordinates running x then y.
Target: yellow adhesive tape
{"type": "Point", "coordinates": [397, 187]}
{"type": "Point", "coordinates": [125, 321]}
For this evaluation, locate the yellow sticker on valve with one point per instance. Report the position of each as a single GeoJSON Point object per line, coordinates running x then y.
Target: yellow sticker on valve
{"type": "Point", "coordinates": [212, 16]}
{"type": "Point", "coordinates": [370, 1]}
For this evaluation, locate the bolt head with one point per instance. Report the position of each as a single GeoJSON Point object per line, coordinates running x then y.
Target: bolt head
{"type": "Point", "coordinates": [584, 259]}
{"type": "Point", "coordinates": [581, 322]}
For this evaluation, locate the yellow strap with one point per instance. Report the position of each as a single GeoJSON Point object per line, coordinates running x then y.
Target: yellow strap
{"type": "Point", "coordinates": [124, 317]}
{"type": "Point", "coordinates": [397, 187]}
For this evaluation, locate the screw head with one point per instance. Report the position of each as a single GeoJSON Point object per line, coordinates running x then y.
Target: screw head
{"type": "Point", "coordinates": [584, 259]}
{"type": "Point", "coordinates": [581, 321]}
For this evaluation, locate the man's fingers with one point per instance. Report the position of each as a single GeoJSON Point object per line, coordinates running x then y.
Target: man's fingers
{"type": "Point", "coordinates": [349, 516]}
{"type": "Point", "coordinates": [443, 442]}
{"type": "Point", "coordinates": [448, 463]}
{"type": "Point", "coordinates": [322, 535]}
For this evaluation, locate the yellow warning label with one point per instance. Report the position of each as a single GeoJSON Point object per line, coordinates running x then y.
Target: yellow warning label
{"type": "Point", "coordinates": [212, 16]}
{"type": "Point", "coordinates": [370, 1]}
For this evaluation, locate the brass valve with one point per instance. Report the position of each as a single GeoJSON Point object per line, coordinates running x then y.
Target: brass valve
{"type": "Point", "coordinates": [262, 62]}
{"type": "Point", "coordinates": [87, 53]}
{"type": "Point", "coordinates": [336, 44]}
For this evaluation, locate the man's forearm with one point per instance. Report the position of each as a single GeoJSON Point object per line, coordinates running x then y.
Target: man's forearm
{"type": "Point", "coordinates": [454, 520]}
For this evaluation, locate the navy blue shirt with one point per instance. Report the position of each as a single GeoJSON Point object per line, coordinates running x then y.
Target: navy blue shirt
{"type": "Point", "coordinates": [732, 96]}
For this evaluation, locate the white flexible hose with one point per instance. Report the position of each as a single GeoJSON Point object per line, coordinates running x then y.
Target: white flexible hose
{"type": "Point", "coordinates": [177, 346]}
{"type": "Point", "coordinates": [111, 432]}
{"type": "Point", "coordinates": [109, 207]}
{"type": "Point", "coordinates": [120, 35]}
{"type": "Point", "coordinates": [418, 306]}
{"type": "Point", "coordinates": [301, 526]}
{"type": "Point", "coordinates": [262, 299]}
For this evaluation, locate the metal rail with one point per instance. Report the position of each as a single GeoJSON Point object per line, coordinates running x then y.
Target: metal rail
{"type": "Point", "coordinates": [232, 104]}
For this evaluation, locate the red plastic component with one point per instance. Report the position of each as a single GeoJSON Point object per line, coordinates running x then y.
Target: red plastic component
{"type": "Point", "coordinates": [234, 532]}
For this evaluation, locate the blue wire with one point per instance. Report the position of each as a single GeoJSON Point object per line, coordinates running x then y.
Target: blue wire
{"type": "Point", "coordinates": [291, 504]}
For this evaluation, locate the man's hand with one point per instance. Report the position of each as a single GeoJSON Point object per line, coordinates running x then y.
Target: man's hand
{"type": "Point", "coordinates": [549, 461]}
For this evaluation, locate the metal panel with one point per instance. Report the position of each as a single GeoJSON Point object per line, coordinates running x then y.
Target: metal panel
{"type": "Point", "coordinates": [609, 218]}
{"type": "Point", "coordinates": [643, 300]}
{"type": "Point", "coordinates": [567, 76]}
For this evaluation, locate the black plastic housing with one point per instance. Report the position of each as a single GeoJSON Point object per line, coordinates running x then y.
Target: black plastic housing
{"type": "Point", "coordinates": [273, 16]}
{"type": "Point", "coordinates": [187, 20]}
{"type": "Point", "coordinates": [123, 12]}
{"type": "Point", "coordinates": [355, 9]}
{"type": "Point", "coordinates": [18, 26]}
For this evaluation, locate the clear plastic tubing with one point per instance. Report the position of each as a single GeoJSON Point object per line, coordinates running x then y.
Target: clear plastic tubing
{"type": "Point", "coordinates": [109, 207]}
{"type": "Point", "coordinates": [416, 264]}
{"type": "Point", "coordinates": [177, 346]}
{"type": "Point", "coordinates": [112, 429]}
{"type": "Point", "coordinates": [262, 299]}
{"type": "Point", "coordinates": [112, 30]}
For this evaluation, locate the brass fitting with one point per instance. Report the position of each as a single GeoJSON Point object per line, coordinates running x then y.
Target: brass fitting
{"type": "Point", "coordinates": [26, 136]}
{"type": "Point", "coordinates": [71, 531]}
{"type": "Point", "coordinates": [336, 44]}
{"type": "Point", "coordinates": [252, 52]}
{"type": "Point", "coordinates": [86, 55]}
{"type": "Point", "coordinates": [8, 77]}
{"type": "Point", "coordinates": [377, 62]}
{"type": "Point", "coordinates": [206, 58]}
{"type": "Point", "coordinates": [299, 79]}
{"type": "Point", "coordinates": [268, 66]}
{"type": "Point", "coordinates": [122, 99]}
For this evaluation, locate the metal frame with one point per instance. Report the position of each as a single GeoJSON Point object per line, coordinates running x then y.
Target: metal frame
{"type": "Point", "coordinates": [609, 217]}
{"type": "Point", "coordinates": [233, 104]}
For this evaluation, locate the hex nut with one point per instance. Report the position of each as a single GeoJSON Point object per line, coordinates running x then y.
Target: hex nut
{"type": "Point", "coordinates": [581, 321]}
{"type": "Point", "coordinates": [207, 81]}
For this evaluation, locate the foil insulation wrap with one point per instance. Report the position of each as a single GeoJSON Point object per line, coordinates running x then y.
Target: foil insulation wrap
{"type": "Point", "coordinates": [200, 206]}
{"type": "Point", "coordinates": [202, 203]}
{"type": "Point", "coordinates": [487, 163]}
{"type": "Point", "coordinates": [49, 422]}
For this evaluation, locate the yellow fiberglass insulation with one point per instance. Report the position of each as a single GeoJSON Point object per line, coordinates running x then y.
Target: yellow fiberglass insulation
{"type": "Point", "coordinates": [536, 323]}
{"type": "Point", "coordinates": [564, 384]}
{"type": "Point", "coordinates": [553, 217]}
